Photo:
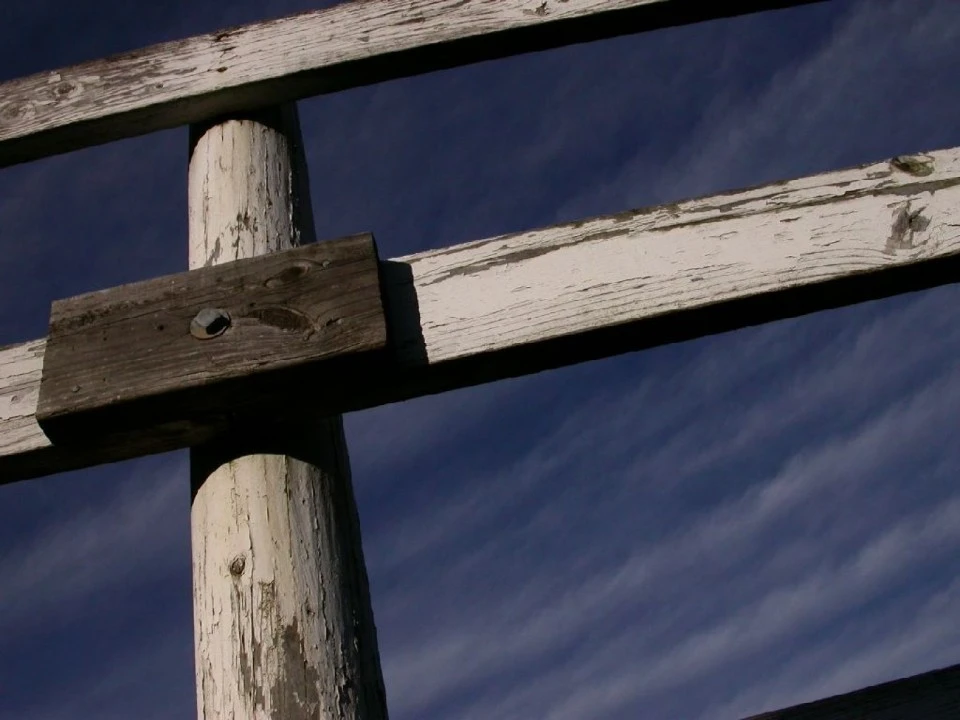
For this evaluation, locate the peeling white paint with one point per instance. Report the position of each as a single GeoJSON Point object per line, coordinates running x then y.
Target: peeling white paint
{"type": "Point", "coordinates": [522, 289]}
{"type": "Point", "coordinates": [282, 618]}
{"type": "Point", "coordinates": [181, 76]}
{"type": "Point", "coordinates": [543, 284]}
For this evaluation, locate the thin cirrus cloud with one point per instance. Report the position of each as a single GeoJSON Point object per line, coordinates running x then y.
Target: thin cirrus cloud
{"type": "Point", "coordinates": [753, 544]}
{"type": "Point", "coordinates": [54, 572]}
{"type": "Point", "coordinates": [836, 107]}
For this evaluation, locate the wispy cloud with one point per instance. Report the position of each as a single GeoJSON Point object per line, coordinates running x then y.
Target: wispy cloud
{"type": "Point", "coordinates": [834, 107]}
{"type": "Point", "coordinates": [757, 542]}
{"type": "Point", "coordinates": [52, 574]}
{"type": "Point", "coordinates": [870, 648]}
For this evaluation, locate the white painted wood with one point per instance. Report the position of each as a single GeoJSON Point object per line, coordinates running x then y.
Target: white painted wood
{"type": "Point", "coordinates": [496, 297]}
{"type": "Point", "coordinates": [531, 287]}
{"type": "Point", "coordinates": [313, 53]}
{"type": "Point", "coordinates": [20, 369]}
{"type": "Point", "coordinates": [282, 617]}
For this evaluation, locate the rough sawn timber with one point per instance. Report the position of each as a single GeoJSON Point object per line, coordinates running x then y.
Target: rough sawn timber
{"type": "Point", "coordinates": [933, 695]}
{"type": "Point", "coordinates": [128, 355]}
{"type": "Point", "coordinates": [531, 301]}
{"type": "Point", "coordinates": [283, 626]}
{"type": "Point", "coordinates": [347, 45]}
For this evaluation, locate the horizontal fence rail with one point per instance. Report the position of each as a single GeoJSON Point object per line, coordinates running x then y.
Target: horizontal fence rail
{"type": "Point", "coordinates": [531, 301]}
{"type": "Point", "coordinates": [348, 45]}
{"type": "Point", "coordinates": [933, 695]}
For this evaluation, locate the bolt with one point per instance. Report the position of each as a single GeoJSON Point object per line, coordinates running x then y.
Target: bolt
{"type": "Point", "coordinates": [209, 323]}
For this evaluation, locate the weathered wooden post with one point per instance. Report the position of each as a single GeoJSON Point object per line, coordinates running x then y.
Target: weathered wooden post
{"type": "Point", "coordinates": [282, 617]}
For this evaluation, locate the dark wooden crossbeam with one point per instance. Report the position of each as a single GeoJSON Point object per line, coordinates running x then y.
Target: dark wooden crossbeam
{"type": "Point", "coordinates": [933, 695]}
{"type": "Point", "coordinates": [183, 354]}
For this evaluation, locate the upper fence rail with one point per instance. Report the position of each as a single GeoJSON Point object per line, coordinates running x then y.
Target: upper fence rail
{"type": "Point", "coordinates": [314, 53]}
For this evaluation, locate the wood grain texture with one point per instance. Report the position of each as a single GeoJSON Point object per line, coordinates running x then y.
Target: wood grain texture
{"type": "Point", "coordinates": [536, 300]}
{"type": "Point", "coordinates": [125, 358]}
{"type": "Point", "coordinates": [25, 449]}
{"type": "Point", "coordinates": [526, 302]}
{"type": "Point", "coordinates": [933, 695]}
{"type": "Point", "coordinates": [283, 626]}
{"type": "Point", "coordinates": [21, 437]}
{"type": "Point", "coordinates": [350, 44]}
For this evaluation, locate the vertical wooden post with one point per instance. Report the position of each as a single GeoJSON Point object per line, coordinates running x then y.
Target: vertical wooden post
{"type": "Point", "coordinates": [282, 616]}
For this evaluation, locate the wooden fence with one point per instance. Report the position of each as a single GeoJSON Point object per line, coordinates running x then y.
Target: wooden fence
{"type": "Point", "coordinates": [198, 359]}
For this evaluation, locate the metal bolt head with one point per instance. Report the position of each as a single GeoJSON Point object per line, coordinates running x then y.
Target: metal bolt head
{"type": "Point", "coordinates": [209, 323]}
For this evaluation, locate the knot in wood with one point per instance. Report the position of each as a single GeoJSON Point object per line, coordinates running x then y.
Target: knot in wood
{"type": "Point", "coordinates": [237, 565]}
{"type": "Point", "coordinates": [918, 165]}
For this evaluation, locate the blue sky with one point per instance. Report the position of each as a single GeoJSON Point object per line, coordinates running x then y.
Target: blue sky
{"type": "Point", "coordinates": [705, 530]}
